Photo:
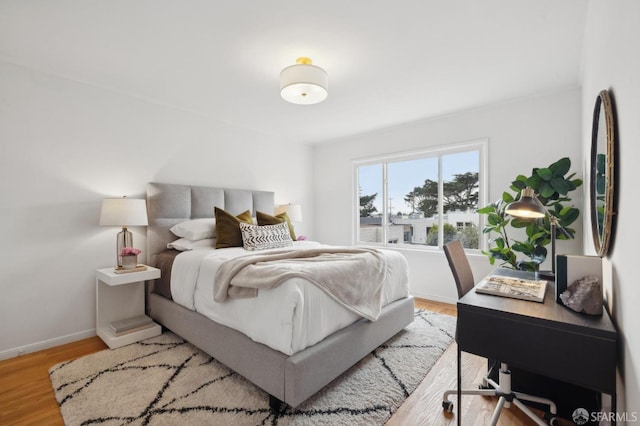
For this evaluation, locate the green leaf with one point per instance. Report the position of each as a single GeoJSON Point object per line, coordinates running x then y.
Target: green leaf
{"type": "Point", "coordinates": [507, 198]}
{"type": "Point", "coordinates": [487, 209]}
{"type": "Point", "coordinates": [561, 211]}
{"type": "Point", "coordinates": [534, 182]}
{"type": "Point", "coordinates": [519, 184]}
{"type": "Point", "coordinates": [569, 217]}
{"type": "Point", "coordinates": [494, 219]}
{"type": "Point", "coordinates": [545, 190]}
{"type": "Point", "coordinates": [600, 185]}
{"type": "Point", "coordinates": [545, 174]}
{"type": "Point", "coordinates": [531, 228]}
{"type": "Point", "coordinates": [560, 167]}
{"type": "Point", "coordinates": [560, 185]}
{"type": "Point", "coordinates": [524, 248]}
{"type": "Point", "coordinates": [600, 163]}
{"type": "Point", "coordinates": [538, 235]}
{"type": "Point", "coordinates": [517, 222]}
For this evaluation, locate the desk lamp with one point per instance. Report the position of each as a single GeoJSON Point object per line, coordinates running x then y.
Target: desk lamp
{"type": "Point", "coordinates": [123, 212]}
{"type": "Point", "coordinates": [529, 207]}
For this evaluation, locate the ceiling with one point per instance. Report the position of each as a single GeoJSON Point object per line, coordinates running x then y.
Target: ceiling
{"type": "Point", "coordinates": [388, 62]}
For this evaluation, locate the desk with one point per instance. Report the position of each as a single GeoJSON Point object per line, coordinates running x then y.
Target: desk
{"type": "Point", "coordinates": [544, 338]}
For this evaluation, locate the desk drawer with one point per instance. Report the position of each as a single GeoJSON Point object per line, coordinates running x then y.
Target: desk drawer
{"type": "Point", "coordinates": [550, 350]}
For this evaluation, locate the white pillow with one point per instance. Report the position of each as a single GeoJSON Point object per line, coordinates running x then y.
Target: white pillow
{"type": "Point", "coordinates": [265, 237]}
{"type": "Point", "coordinates": [196, 229]}
{"type": "Point", "coordinates": [184, 244]}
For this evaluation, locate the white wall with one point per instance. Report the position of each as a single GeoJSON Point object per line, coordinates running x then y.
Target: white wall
{"type": "Point", "coordinates": [64, 146]}
{"type": "Point", "coordinates": [522, 134]}
{"type": "Point", "coordinates": [612, 61]}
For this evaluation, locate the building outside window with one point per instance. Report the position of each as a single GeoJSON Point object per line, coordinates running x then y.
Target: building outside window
{"type": "Point", "coordinates": [422, 199]}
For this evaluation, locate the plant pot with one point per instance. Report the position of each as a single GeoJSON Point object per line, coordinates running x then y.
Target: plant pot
{"type": "Point", "coordinates": [129, 262]}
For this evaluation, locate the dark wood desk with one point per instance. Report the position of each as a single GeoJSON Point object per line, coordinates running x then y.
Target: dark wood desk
{"type": "Point", "coordinates": [543, 338]}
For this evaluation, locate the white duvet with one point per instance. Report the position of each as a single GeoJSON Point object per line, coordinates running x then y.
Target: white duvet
{"type": "Point", "coordinates": [288, 318]}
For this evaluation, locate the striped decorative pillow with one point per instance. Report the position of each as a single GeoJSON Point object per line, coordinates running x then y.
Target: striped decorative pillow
{"type": "Point", "coordinates": [265, 237]}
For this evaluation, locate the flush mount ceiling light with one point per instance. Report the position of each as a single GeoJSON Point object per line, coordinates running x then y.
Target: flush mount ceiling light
{"type": "Point", "coordinates": [303, 83]}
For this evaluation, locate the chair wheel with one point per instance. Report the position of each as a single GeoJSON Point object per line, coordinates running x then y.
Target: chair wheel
{"type": "Point", "coordinates": [551, 419]}
{"type": "Point", "coordinates": [447, 406]}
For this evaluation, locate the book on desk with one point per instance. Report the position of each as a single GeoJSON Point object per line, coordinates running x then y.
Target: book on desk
{"type": "Point", "coordinates": [516, 288]}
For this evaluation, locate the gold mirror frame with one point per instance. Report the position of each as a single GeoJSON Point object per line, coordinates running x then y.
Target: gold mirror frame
{"type": "Point", "coordinates": [602, 172]}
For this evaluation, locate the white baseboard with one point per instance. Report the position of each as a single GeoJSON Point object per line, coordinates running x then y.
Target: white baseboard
{"type": "Point", "coordinates": [435, 298]}
{"type": "Point", "coordinates": [50, 343]}
{"type": "Point", "coordinates": [46, 344]}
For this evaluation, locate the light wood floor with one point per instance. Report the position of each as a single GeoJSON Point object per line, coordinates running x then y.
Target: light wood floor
{"type": "Point", "coordinates": [424, 405]}
{"type": "Point", "coordinates": [26, 396]}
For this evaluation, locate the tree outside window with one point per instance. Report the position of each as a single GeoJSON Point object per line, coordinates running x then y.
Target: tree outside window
{"type": "Point", "coordinates": [408, 200]}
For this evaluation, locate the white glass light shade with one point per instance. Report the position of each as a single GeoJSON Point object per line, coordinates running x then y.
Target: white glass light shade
{"type": "Point", "coordinates": [124, 212]}
{"type": "Point", "coordinates": [303, 83]}
{"type": "Point", "coordinates": [294, 211]}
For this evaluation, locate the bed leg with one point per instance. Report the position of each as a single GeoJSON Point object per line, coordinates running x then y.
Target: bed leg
{"type": "Point", "coordinates": [276, 405]}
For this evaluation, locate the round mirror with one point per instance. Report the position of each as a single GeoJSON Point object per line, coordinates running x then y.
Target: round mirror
{"type": "Point", "coordinates": [602, 172]}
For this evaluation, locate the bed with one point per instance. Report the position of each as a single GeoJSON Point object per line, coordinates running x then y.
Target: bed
{"type": "Point", "coordinates": [291, 374]}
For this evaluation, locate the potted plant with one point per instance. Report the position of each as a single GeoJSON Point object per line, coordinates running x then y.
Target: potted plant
{"type": "Point", "coordinates": [129, 257]}
{"type": "Point", "coordinates": [552, 188]}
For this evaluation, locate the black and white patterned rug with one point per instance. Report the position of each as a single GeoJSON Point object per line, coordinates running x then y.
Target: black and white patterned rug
{"type": "Point", "coordinates": [165, 380]}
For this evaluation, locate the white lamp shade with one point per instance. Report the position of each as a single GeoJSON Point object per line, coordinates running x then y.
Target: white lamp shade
{"type": "Point", "coordinates": [124, 212]}
{"type": "Point", "coordinates": [294, 211]}
{"type": "Point", "coordinates": [304, 84]}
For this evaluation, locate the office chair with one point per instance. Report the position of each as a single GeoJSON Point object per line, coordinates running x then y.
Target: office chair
{"type": "Point", "coordinates": [463, 276]}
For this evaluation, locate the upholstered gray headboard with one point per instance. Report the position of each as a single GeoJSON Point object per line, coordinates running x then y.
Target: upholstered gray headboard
{"type": "Point", "coordinates": [169, 204]}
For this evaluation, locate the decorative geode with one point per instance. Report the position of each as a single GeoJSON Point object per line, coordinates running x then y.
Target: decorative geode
{"type": "Point", "coordinates": [584, 295]}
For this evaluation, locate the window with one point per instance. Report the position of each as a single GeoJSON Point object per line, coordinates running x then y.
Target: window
{"type": "Point", "coordinates": [426, 198]}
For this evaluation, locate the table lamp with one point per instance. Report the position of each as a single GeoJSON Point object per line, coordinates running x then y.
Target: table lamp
{"type": "Point", "coordinates": [529, 207]}
{"type": "Point", "coordinates": [123, 212]}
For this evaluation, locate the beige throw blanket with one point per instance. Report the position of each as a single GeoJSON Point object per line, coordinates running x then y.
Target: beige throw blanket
{"type": "Point", "coordinates": [351, 276]}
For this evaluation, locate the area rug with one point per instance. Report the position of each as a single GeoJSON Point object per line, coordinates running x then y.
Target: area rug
{"type": "Point", "coordinates": [167, 381]}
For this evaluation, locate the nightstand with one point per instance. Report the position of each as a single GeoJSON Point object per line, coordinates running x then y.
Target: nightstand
{"type": "Point", "coordinates": [121, 296]}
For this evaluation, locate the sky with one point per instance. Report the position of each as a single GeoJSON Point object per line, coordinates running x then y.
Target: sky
{"type": "Point", "coordinates": [403, 176]}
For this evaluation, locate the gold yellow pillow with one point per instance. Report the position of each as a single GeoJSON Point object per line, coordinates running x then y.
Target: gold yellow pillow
{"type": "Point", "coordinates": [266, 219]}
{"type": "Point", "coordinates": [228, 228]}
